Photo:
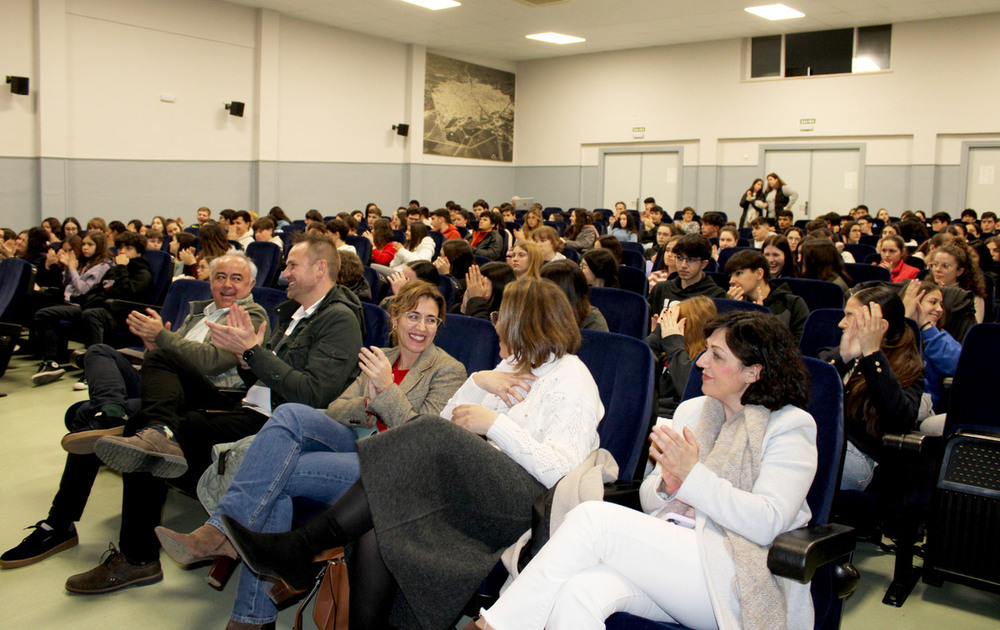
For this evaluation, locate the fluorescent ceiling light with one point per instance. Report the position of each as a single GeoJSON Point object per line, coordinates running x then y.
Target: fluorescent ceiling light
{"type": "Point", "coordinates": [556, 38]}
{"type": "Point", "coordinates": [775, 12]}
{"type": "Point", "coordinates": [434, 5]}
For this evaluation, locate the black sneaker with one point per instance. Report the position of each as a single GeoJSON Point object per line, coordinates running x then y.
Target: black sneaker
{"type": "Point", "coordinates": [39, 545]}
{"type": "Point", "coordinates": [47, 372]}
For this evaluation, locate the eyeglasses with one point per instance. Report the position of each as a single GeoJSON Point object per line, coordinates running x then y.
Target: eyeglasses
{"type": "Point", "coordinates": [494, 318]}
{"type": "Point", "coordinates": [415, 318]}
{"type": "Point", "coordinates": [683, 260]}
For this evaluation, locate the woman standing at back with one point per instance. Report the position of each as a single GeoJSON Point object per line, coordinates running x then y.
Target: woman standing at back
{"type": "Point", "coordinates": [778, 195]}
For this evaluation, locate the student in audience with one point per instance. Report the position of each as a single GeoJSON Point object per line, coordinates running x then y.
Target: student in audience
{"type": "Point", "coordinates": [600, 268]}
{"type": "Point", "coordinates": [8, 243]}
{"type": "Point", "coordinates": [136, 226]}
{"type": "Point", "coordinates": [893, 253]}
{"type": "Point", "coordinates": [241, 228]}
{"type": "Point", "coordinates": [484, 289]}
{"type": "Point", "coordinates": [749, 275]}
{"type": "Point", "coordinates": [71, 227]}
{"type": "Point", "coordinates": [953, 266]}
{"type": "Point", "coordinates": [549, 242]}
{"type": "Point", "coordinates": [778, 194]}
{"type": "Point", "coordinates": [214, 241]}
{"type": "Point", "coordinates": [570, 278]}
{"type": "Point", "coordinates": [81, 274]}
{"type": "Point", "coordinates": [851, 233]}
{"type": "Point", "coordinates": [414, 270]}
{"type": "Point", "coordinates": [129, 279]}
{"type": "Point", "coordinates": [821, 261]}
{"type": "Point", "coordinates": [711, 223]}
{"type": "Point", "coordinates": [154, 239]}
{"type": "Point", "coordinates": [883, 214]}
{"type": "Point", "coordinates": [441, 222]}
{"type": "Point", "coordinates": [865, 223]}
{"type": "Point", "coordinates": [711, 495]}
{"type": "Point", "coordinates": [527, 258]}
{"type": "Point", "coordinates": [692, 253]}
{"type": "Point", "coordinates": [532, 221]}
{"type": "Point", "coordinates": [158, 223]}
{"type": "Point", "coordinates": [172, 228]}
{"type": "Point", "coordinates": [352, 276]}
{"type": "Point", "coordinates": [795, 236]}
{"type": "Point", "coordinates": [203, 214]}
{"type": "Point", "coordinates": [761, 230]}
{"type": "Point", "coordinates": [728, 237]}
{"type": "Point", "coordinates": [418, 246]}
{"type": "Point", "coordinates": [183, 248]}
{"type": "Point", "coordinates": [486, 240]}
{"type": "Point", "coordinates": [664, 236]}
{"type": "Point", "coordinates": [785, 220]}
{"type": "Point", "coordinates": [281, 220]}
{"type": "Point", "coordinates": [581, 233]}
{"type": "Point", "coordinates": [988, 224]}
{"type": "Point", "coordinates": [539, 411]}
{"type": "Point", "coordinates": [677, 338]}
{"type": "Point", "coordinates": [924, 304]}
{"type": "Point", "coordinates": [338, 231]}
{"type": "Point", "coordinates": [879, 358]}
{"type": "Point", "coordinates": [652, 219]}
{"type": "Point", "coordinates": [689, 222]}
{"type": "Point", "coordinates": [753, 202]}
{"type": "Point", "coordinates": [611, 244]}
{"type": "Point", "coordinates": [53, 229]}
{"type": "Point", "coordinates": [306, 452]}
{"type": "Point", "coordinates": [263, 232]}
{"type": "Point", "coordinates": [383, 242]}
{"type": "Point", "coordinates": [939, 221]}
{"type": "Point", "coordinates": [624, 228]}
{"type": "Point", "coordinates": [114, 386]}
{"type": "Point", "coordinates": [780, 260]}
{"type": "Point", "coordinates": [455, 260]}
{"type": "Point", "coordinates": [957, 230]}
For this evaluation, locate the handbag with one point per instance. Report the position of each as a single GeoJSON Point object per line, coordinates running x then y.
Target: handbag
{"type": "Point", "coordinates": [332, 594]}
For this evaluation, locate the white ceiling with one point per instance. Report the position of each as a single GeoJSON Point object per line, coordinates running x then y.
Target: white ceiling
{"type": "Point", "coordinates": [496, 28]}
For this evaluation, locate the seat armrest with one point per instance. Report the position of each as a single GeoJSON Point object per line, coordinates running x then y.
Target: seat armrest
{"type": "Point", "coordinates": [117, 306]}
{"type": "Point", "coordinates": [797, 554]}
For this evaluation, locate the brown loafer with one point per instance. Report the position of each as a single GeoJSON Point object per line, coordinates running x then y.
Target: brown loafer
{"type": "Point", "coordinates": [113, 574]}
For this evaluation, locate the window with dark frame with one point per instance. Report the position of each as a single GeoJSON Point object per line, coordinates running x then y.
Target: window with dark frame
{"type": "Point", "coordinates": [838, 51]}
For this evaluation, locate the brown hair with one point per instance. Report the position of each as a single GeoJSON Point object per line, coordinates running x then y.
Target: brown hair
{"type": "Point", "coordinates": [535, 256]}
{"type": "Point", "coordinates": [408, 298]}
{"type": "Point", "coordinates": [547, 233]}
{"type": "Point", "coordinates": [381, 232]}
{"type": "Point", "coordinates": [536, 321]}
{"type": "Point", "coordinates": [698, 311]}
{"type": "Point", "coordinates": [320, 247]}
{"type": "Point", "coordinates": [971, 278]}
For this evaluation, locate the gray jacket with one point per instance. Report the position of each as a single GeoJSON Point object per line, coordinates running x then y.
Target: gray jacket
{"type": "Point", "coordinates": [426, 388]}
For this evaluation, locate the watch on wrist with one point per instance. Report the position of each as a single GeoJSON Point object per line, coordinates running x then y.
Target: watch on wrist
{"type": "Point", "coordinates": [248, 354]}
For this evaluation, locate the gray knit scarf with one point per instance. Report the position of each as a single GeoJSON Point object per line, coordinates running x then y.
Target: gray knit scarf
{"type": "Point", "coordinates": [733, 450]}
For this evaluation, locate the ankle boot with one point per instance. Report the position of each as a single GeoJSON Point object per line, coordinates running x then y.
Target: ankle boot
{"type": "Point", "coordinates": [204, 543]}
{"type": "Point", "coordinates": [284, 556]}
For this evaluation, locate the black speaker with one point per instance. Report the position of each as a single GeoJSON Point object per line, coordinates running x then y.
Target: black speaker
{"type": "Point", "coordinates": [18, 85]}
{"type": "Point", "coordinates": [236, 108]}
{"type": "Point", "coordinates": [402, 129]}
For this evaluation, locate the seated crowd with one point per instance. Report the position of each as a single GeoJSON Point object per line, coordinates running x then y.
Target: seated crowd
{"type": "Point", "coordinates": [391, 439]}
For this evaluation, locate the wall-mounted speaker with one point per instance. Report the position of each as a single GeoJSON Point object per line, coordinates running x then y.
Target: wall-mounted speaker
{"type": "Point", "coordinates": [236, 108]}
{"type": "Point", "coordinates": [18, 85]}
{"type": "Point", "coordinates": [401, 129]}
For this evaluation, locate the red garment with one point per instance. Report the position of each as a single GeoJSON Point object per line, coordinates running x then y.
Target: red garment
{"type": "Point", "coordinates": [385, 255]}
{"type": "Point", "coordinates": [451, 232]}
{"type": "Point", "coordinates": [397, 378]}
{"type": "Point", "coordinates": [902, 271]}
{"type": "Point", "coordinates": [477, 237]}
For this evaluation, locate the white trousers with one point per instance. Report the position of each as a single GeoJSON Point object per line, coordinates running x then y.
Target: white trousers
{"type": "Point", "coordinates": [606, 558]}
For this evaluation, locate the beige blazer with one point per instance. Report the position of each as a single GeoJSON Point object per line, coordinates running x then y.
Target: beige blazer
{"type": "Point", "coordinates": [426, 388]}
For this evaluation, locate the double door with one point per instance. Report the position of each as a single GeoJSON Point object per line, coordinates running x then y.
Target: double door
{"type": "Point", "coordinates": [827, 180]}
{"type": "Point", "coordinates": [631, 177]}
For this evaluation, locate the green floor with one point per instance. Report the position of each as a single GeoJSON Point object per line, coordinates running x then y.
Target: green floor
{"type": "Point", "coordinates": [31, 424]}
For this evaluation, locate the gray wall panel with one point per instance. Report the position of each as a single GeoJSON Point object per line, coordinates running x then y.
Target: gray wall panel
{"type": "Point", "coordinates": [20, 206]}
{"type": "Point", "coordinates": [140, 190]}
{"type": "Point", "coordinates": [590, 187]}
{"type": "Point", "coordinates": [689, 187]}
{"type": "Point", "coordinates": [732, 182]}
{"type": "Point", "coordinates": [463, 185]}
{"type": "Point", "coordinates": [887, 187]}
{"type": "Point", "coordinates": [551, 185]}
{"type": "Point", "coordinates": [333, 187]}
{"type": "Point", "coordinates": [948, 188]}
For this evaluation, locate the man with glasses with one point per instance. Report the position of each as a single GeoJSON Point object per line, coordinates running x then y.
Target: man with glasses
{"type": "Point", "coordinates": [310, 358]}
{"type": "Point", "coordinates": [692, 254]}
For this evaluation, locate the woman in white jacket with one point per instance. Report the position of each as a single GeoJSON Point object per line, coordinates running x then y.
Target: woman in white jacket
{"type": "Point", "coordinates": [731, 475]}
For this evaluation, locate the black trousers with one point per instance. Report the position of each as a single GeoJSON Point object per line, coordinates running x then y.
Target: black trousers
{"type": "Point", "coordinates": [176, 394]}
{"type": "Point", "coordinates": [93, 322]}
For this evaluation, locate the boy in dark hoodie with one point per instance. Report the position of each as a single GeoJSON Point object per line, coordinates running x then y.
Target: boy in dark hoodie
{"type": "Point", "coordinates": [748, 280]}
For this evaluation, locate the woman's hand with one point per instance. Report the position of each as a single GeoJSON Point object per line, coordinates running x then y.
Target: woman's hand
{"type": "Point", "coordinates": [70, 261]}
{"type": "Point", "coordinates": [518, 234]}
{"type": "Point", "coordinates": [670, 324]}
{"type": "Point", "coordinates": [51, 258]}
{"type": "Point", "coordinates": [377, 367]}
{"type": "Point", "coordinates": [511, 387]}
{"type": "Point", "coordinates": [676, 453]}
{"type": "Point", "coordinates": [885, 265]}
{"type": "Point", "coordinates": [368, 234]}
{"type": "Point", "coordinates": [443, 265]}
{"type": "Point", "coordinates": [187, 257]}
{"type": "Point", "coordinates": [476, 284]}
{"type": "Point", "coordinates": [871, 329]}
{"type": "Point", "coordinates": [396, 281]}
{"type": "Point", "coordinates": [850, 346]}
{"type": "Point", "coordinates": [475, 418]}
{"type": "Point", "coordinates": [911, 300]}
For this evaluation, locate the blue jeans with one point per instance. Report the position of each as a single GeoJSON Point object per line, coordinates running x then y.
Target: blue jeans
{"type": "Point", "coordinates": [300, 452]}
{"type": "Point", "coordinates": [858, 469]}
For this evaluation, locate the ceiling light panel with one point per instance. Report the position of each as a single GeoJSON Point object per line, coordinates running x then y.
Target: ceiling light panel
{"type": "Point", "coordinates": [556, 38]}
{"type": "Point", "coordinates": [434, 5]}
{"type": "Point", "coordinates": [775, 12]}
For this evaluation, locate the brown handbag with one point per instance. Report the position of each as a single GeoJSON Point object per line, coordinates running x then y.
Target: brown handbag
{"type": "Point", "coordinates": [332, 594]}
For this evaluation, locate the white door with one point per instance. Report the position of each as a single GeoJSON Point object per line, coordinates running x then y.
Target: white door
{"type": "Point", "coordinates": [982, 192]}
{"type": "Point", "coordinates": [631, 177]}
{"type": "Point", "coordinates": [827, 180]}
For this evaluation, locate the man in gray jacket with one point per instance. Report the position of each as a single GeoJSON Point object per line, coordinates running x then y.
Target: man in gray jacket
{"type": "Point", "coordinates": [114, 395]}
